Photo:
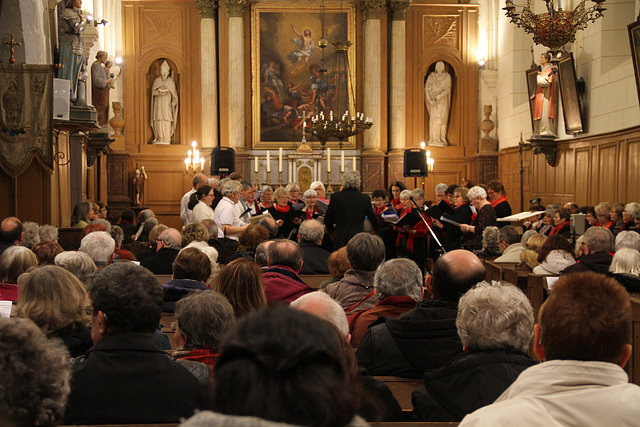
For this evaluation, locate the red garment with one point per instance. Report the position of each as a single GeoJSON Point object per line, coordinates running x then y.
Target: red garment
{"type": "Point", "coordinates": [310, 213]}
{"type": "Point", "coordinates": [282, 209]}
{"type": "Point", "coordinates": [396, 204]}
{"type": "Point", "coordinates": [420, 228]}
{"type": "Point", "coordinates": [283, 284]}
{"type": "Point", "coordinates": [380, 210]}
{"type": "Point", "coordinates": [8, 291]}
{"type": "Point", "coordinates": [608, 225]}
{"type": "Point", "coordinates": [389, 307]}
{"type": "Point", "coordinates": [559, 228]}
{"type": "Point", "coordinates": [204, 355]}
{"type": "Point", "coordinates": [539, 99]}
{"type": "Point", "coordinates": [125, 254]}
{"type": "Point", "coordinates": [499, 200]}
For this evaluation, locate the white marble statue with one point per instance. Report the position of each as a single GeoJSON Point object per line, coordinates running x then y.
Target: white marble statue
{"type": "Point", "coordinates": [437, 98]}
{"type": "Point", "coordinates": [164, 106]}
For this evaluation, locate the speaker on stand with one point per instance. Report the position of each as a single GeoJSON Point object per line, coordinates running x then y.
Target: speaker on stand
{"type": "Point", "coordinates": [415, 163]}
{"type": "Point", "coordinates": [223, 161]}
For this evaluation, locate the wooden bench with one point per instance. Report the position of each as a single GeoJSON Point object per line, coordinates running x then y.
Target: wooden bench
{"type": "Point", "coordinates": [69, 238]}
{"type": "Point", "coordinates": [401, 388]}
{"type": "Point", "coordinates": [165, 323]}
{"type": "Point", "coordinates": [163, 278]}
{"type": "Point", "coordinates": [314, 280]}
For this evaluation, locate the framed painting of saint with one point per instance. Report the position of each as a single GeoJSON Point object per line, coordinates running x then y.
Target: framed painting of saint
{"type": "Point", "coordinates": [293, 78]}
{"type": "Point", "coordinates": [569, 94]}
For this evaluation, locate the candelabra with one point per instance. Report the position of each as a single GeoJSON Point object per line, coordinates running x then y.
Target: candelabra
{"type": "Point", "coordinates": [556, 27]}
{"type": "Point", "coordinates": [194, 163]}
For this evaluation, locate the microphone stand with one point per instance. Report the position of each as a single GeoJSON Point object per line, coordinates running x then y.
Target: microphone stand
{"type": "Point", "coordinates": [442, 250]}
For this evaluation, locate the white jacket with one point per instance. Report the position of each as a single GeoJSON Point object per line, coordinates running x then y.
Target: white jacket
{"type": "Point", "coordinates": [511, 254]}
{"type": "Point", "coordinates": [556, 261]}
{"type": "Point", "coordinates": [564, 393]}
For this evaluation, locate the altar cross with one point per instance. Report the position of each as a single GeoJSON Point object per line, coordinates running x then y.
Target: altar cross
{"type": "Point", "coordinates": [12, 43]}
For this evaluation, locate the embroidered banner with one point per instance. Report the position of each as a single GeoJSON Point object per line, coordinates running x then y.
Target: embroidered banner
{"type": "Point", "coordinates": [26, 99]}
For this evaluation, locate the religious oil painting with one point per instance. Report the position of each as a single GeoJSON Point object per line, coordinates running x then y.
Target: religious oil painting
{"type": "Point", "coordinates": [569, 94]}
{"type": "Point", "coordinates": [634, 41]}
{"type": "Point", "coordinates": [294, 79]}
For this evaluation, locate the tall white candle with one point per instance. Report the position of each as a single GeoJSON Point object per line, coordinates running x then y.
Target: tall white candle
{"type": "Point", "coordinates": [268, 162]}
{"type": "Point", "coordinates": [342, 161]}
{"type": "Point", "coordinates": [280, 159]}
{"type": "Point", "coordinates": [255, 164]}
{"type": "Point", "coordinates": [328, 160]}
{"type": "Point", "coordinates": [354, 163]}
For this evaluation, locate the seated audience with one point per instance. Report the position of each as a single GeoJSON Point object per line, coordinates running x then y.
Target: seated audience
{"type": "Point", "coordinates": [495, 325]}
{"type": "Point", "coordinates": [338, 265]}
{"type": "Point", "coordinates": [262, 255]}
{"type": "Point", "coordinates": [46, 252]}
{"type": "Point", "coordinates": [323, 306]}
{"type": "Point", "coordinates": [99, 245]}
{"type": "Point", "coordinates": [270, 224]}
{"type": "Point", "coordinates": [195, 232]}
{"type": "Point", "coordinates": [13, 262]}
{"type": "Point", "coordinates": [125, 378]}
{"type": "Point", "coordinates": [555, 255]}
{"type": "Point", "coordinates": [281, 280]}
{"type": "Point", "coordinates": [509, 244]}
{"type": "Point", "coordinates": [203, 319]}
{"type": "Point", "coordinates": [35, 382]}
{"type": "Point", "coordinates": [285, 366]}
{"type": "Point", "coordinates": [142, 235]}
{"type": "Point", "coordinates": [82, 215]}
{"type": "Point", "coordinates": [126, 223]}
{"type": "Point", "coordinates": [56, 300]}
{"type": "Point", "coordinates": [354, 292]}
{"type": "Point", "coordinates": [424, 338]}
{"type": "Point", "coordinates": [248, 241]}
{"type": "Point", "coordinates": [167, 248]}
{"type": "Point", "coordinates": [240, 282]}
{"type": "Point", "coordinates": [592, 217]}
{"type": "Point", "coordinates": [11, 232]}
{"type": "Point", "coordinates": [90, 228]}
{"type": "Point", "coordinates": [118, 236]}
{"type": "Point", "coordinates": [149, 248]}
{"type": "Point", "coordinates": [596, 248]}
{"type": "Point", "coordinates": [30, 234]}
{"type": "Point", "coordinates": [212, 253]}
{"type": "Point", "coordinates": [103, 222]}
{"type": "Point", "coordinates": [490, 243]}
{"type": "Point", "coordinates": [561, 223]}
{"type": "Point", "coordinates": [398, 285]}
{"type": "Point", "coordinates": [616, 217]}
{"type": "Point", "coordinates": [628, 239]}
{"type": "Point", "coordinates": [191, 269]}
{"type": "Point", "coordinates": [582, 339]}
{"type": "Point", "coordinates": [547, 222]}
{"type": "Point", "coordinates": [48, 233]}
{"type": "Point", "coordinates": [529, 256]}
{"type": "Point", "coordinates": [78, 263]}
{"type": "Point", "coordinates": [316, 258]}
{"type": "Point", "coordinates": [625, 268]}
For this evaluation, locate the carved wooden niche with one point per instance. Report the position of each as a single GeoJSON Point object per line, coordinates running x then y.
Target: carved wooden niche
{"type": "Point", "coordinates": [154, 74]}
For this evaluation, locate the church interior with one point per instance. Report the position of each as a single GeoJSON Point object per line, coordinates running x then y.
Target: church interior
{"type": "Point", "coordinates": [232, 62]}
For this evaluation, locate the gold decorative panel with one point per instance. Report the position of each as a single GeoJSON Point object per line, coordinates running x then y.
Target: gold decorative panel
{"type": "Point", "coordinates": [160, 26]}
{"type": "Point", "coordinates": [440, 30]}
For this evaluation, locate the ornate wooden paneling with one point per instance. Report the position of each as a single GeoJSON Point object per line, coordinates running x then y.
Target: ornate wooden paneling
{"type": "Point", "coordinates": [589, 170]}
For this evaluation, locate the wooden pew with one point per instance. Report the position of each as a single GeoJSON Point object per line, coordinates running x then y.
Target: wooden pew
{"type": "Point", "coordinates": [165, 323]}
{"type": "Point", "coordinates": [163, 278]}
{"type": "Point", "coordinates": [402, 389]}
{"type": "Point", "coordinates": [314, 280]}
{"type": "Point", "coordinates": [516, 276]}
{"type": "Point", "coordinates": [633, 366]}
{"type": "Point", "coordinates": [69, 238]}
{"type": "Point", "coordinates": [494, 271]}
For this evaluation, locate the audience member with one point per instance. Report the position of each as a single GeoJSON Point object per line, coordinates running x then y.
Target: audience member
{"type": "Point", "coordinates": [48, 233]}
{"type": "Point", "coordinates": [203, 319]}
{"type": "Point", "coordinates": [118, 236]}
{"type": "Point", "coordinates": [167, 248]}
{"type": "Point", "coordinates": [582, 339]}
{"type": "Point", "coordinates": [281, 280]}
{"type": "Point", "coordinates": [398, 285]}
{"type": "Point", "coordinates": [35, 375]}
{"type": "Point", "coordinates": [316, 258]}
{"type": "Point", "coordinates": [240, 282]}
{"type": "Point", "coordinates": [99, 245]}
{"type": "Point", "coordinates": [13, 262]}
{"type": "Point", "coordinates": [354, 292]}
{"type": "Point", "coordinates": [191, 269]}
{"type": "Point", "coordinates": [270, 224]}
{"type": "Point", "coordinates": [262, 255]}
{"type": "Point", "coordinates": [126, 223]}
{"type": "Point", "coordinates": [142, 235]}
{"type": "Point", "coordinates": [125, 378]}
{"type": "Point", "coordinates": [323, 306]}
{"type": "Point", "coordinates": [82, 214]}
{"type": "Point", "coordinates": [424, 338]}
{"type": "Point", "coordinates": [530, 254]}
{"type": "Point", "coordinates": [625, 268]}
{"type": "Point", "coordinates": [630, 209]}
{"type": "Point", "coordinates": [628, 239]}
{"type": "Point", "coordinates": [11, 232]}
{"type": "Point", "coordinates": [495, 325]}
{"type": "Point", "coordinates": [212, 253]}
{"type": "Point", "coordinates": [46, 252]}
{"type": "Point", "coordinates": [509, 244]}
{"type": "Point", "coordinates": [555, 255]}
{"type": "Point", "coordinates": [194, 232]}
{"type": "Point", "coordinates": [596, 248]}
{"type": "Point", "coordinates": [78, 263]}
{"type": "Point", "coordinates": [90, 228]}
{"type": "Point", "coordinates": [561, 223]}
{"type": "Point", "coordinates": [603, 213]}
{"type": "Point", "coordinates": [30, 235]}
{"type": "Point", "coordinates": [616, 217]}
{"type": "Point", "coordinates": [104, 222]}
{"type": "Point", "coordinates": [248, 242]}
{"type": "Point", "coordinates": [56, 300]}
{"type": "Point", "coordinates": [338, 266]}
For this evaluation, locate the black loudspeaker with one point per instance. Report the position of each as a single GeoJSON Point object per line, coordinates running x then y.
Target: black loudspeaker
{"type": "Point", "coordinates": [415, 162]}
{"type": "Point", "coordinates": [223, 161]}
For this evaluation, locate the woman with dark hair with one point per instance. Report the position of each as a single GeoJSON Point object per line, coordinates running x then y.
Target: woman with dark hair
{"type": "Point", "coordinates": [191, 269]}
{"type": "Point", "coordinates": [498, 199]}
{"type": "Point", "coordinates": [81, 216]}
{"type": "Point", "coordinates": [56, 301]}
{"type": "Point", "coordinates": [562, 223]}
{"type": "Point", "coordinates": [338, 265]}
{"type": "Point", "coordinates": [394, 194]}
{"type": "Point", "coordinates": [200, 204]}
{"type": "Point", "coordinates": [555, 255]}
{"type": "Point", "coordinates": [248, 241]}
{"type": "Point", "coordinates": [616, 217]}
{"type": "Point", "coordinates": [241, 282]}
{"type": "Point", "coordinates": [285, 366]}
{"type": "Point", "coordinates": [592, 218]}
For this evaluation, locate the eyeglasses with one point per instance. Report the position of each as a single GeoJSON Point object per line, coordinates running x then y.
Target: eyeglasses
{"type": "Point", "coordinates": [88, 310]}
{"type": "Point", "coordinates": [174, 326]}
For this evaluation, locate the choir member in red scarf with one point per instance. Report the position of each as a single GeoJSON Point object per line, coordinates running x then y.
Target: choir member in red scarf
{"type": "Point", "coordinates": [411, 242]}
{"type": "Point", "coordinates": [287, 218]}
{"type": "Point", "coordinates": [319, 187]}
{"type": "Point", "coordinates": [266, 198]}
{"type": "Point", "coordinates": [441, 192]}
{"type": "Point", "coordinates": [310, 209]}
{"type": "Point", "coordinates": [592, 218]}
{"type": "Point", "coordinates": [485, 217]}
{"type": "Point", "coordinates": [294, 191]}
{"type": "Point", "coordinates": [629, 210]}
{"type": "Point", "coordinates": [385, 230]}
{"type": "Point", "coordinates": [498, 199]}
{"type": "Point", "coordinates": [462, 214]}
{"type": "Point", "coordinates": [394, 194]}
{"type": "Point", "coordinates": [602, 213]}
{"type": "Point", "coordinates": [562, 223]}
{"type": "Point", "coordinates": [616, 217]}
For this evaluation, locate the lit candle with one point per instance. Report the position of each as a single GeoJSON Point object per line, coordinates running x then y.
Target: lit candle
{"type": "Point", "coordinates": [201, 164]}
{"type": "Point", "coordinates": [304, 125]}
{"type": "Point", "coordinates": [193, 144]}
{"type": "Point", "coordinates": [268, 161]}
{"type": "Point", "coordinates": [186, 164]}
{"type": "Point", "coordinates": [280, 159]}
{"type": "Point", "coordinates": [189, 155]}
{"type": "Point", "coordinates": [354, 162]}
{"type": "Point", "coordinates": [255, 164]}
{"type": "Point", "coordinates": [328, 160]}
{"type": "Point", "coordinates": [342, 161]}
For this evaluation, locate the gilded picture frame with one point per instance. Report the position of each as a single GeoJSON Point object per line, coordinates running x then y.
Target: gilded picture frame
{"type": "Point", "coordinates": [569, 94]}
{"type": "Point", "coordinates": [634, 44]}
{"type": "Point", "coordinates": [288, 85]}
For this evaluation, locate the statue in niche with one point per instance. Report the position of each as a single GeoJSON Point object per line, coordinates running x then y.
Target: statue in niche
{"type": "Point", "coordinates": [101, 83]}
{"type": "Point", "coordinates": [544, 115]}
{"type": "Point", "coordinates": [164, 106]}
{"type": "Point", "coordinates": [139, 179]}
{"type": "Point", "coordinates": [71, 25]}
{"type": "Point", "coordinates": [437, 98]}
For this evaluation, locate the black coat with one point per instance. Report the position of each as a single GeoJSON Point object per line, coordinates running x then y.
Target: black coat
{"type": "Point", "coordinates": [598, 262]}
{"type": "Point", "coordinates": [315, 259]}
{"type": "Point", "coordinates": [161, 262]}
{"type": "Point", "coordinates": [345, 216]}
{"type": "Point", "coordinates": [127, 379]}
{"type": "Point", "coordinates": [466, 384]}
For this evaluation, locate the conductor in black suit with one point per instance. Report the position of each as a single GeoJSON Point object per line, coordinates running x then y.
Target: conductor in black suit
{"type": "Point", "coordinates": [347, 211]}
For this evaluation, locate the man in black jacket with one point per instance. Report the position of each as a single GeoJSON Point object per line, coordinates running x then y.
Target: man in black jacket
{"type": "Point", "coordinates": [347, 210]}
{"type": "Point", "coordinates": [426, 337]}
{"type": "Point", "coordinates": [598, 243]}
{"type": "Point", "coordinates": [315, 257]}
{"type": "Point", "coordinates": [168, 246]}
{"type": "Point", "coordinates": [125, 378]}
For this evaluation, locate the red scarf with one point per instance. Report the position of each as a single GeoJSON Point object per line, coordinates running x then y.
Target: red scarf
{"type": "Point", "coordinates": [396, 204]}
{"type": "Point", "coordinates": [311, 212]}
{"type": "Point", "coordinates": [402, 233]}
{"type": "Point", "coordinates": [284, 209]}
{"type": "Point", "coordinates": [609, 225]}
{"type": "Point", "coordinates": [499, 200]}
{"type": "Point", "coordinates": [558, 228]}
{"type": "Point", "coordinates": [210, 357]}
{"type": "Point", "coordinates": [378, 211]}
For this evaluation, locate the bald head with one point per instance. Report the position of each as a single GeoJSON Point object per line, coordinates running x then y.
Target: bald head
{"type": "Point", "coordinates": [285, 252]}
{"type": "Point", "coordinates": [323, 306]}
{"type": "Point", "coordinates": [454, 273]}
{"type": "Point", "coordinates": [11, 230]}
{"type": "Point", "coordinates": [171, 238]}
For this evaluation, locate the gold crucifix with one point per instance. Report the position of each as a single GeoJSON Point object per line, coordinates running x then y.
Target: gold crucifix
{"type": "Point", "coordinates": [12, 43]}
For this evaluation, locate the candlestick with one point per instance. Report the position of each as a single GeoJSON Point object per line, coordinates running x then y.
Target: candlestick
{"type": "Point", "coordinates": [280, 178]}
{"type": "Point", "coordinates": [354, 163]}
{"type": "Point", "coordinates": [268, 164]}
{"type": "Point", "coordinates": [342, 161]}
{"type": "Point", "coordinates": [256, 181]}
{"type": "Point", "coordinates": [280, 159]}
{"type": "Point", "coordinates": [255, 165]}
{"type": "Point", "coordinates": [328, 160]}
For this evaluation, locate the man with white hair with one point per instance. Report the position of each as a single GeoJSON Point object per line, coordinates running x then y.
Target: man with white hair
{"type": "Point", "coordinates": [185, 213]}
{"type": "Point", "coordinates": [598, 243]}
{"type": "Point", "coordinates": [315, 257]}
{"type": "Point", "coordinates": [323, 306]}
{"type": "Point", "coordinates": [99, 245]}
{"type": "Point", "coordinates": [168, 246]}
{"type": "Point", "coordinates": [347, 211]}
